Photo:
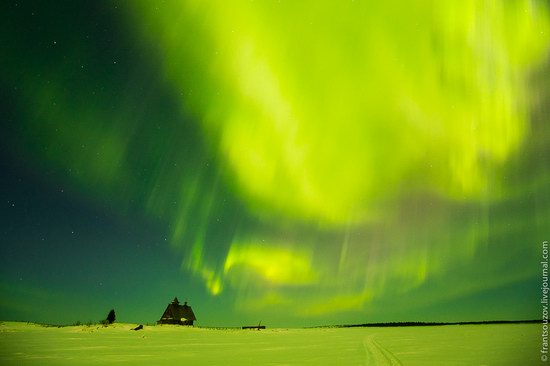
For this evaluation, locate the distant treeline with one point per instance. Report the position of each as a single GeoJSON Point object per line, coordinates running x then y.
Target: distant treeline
{"type": "Point", "coordinates": [422, 324]}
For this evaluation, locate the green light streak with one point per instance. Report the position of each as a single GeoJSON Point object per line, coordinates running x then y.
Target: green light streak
{"type": "Point", "coordinates": [271, 264]}
{"type": "Point", "coordinates": [330, 114]}
{"type": "Point", "coordinates": [325, 125]}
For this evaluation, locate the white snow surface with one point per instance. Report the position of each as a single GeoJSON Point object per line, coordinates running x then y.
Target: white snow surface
{"type": "Point", "coordinates": [502, 344]}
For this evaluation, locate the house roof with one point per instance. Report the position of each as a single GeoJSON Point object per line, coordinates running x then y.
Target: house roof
{"type": "Point", "coordinates": [178, 312]}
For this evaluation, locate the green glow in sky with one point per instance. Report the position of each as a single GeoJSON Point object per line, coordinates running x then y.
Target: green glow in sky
{"type": "Point", "coordinates": [324, 112]}
{"type": "Point", "coordinates": [308, 159]}
{"type": "Point", "coordinates": [334, 115]}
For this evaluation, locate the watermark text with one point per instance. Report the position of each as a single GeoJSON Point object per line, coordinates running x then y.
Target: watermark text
{"type": "Point", "coordinates": [544, 301]}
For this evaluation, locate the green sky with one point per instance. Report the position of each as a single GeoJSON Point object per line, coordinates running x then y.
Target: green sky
{"type": "Point", "coordinates": [292, 162]}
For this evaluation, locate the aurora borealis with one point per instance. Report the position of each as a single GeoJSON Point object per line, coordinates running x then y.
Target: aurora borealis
{"type": "Point", "coordinates": [291, 162]}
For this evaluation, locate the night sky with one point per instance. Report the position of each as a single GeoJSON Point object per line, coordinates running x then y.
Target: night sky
{"type": "Point", "coordinates": [293, 163]}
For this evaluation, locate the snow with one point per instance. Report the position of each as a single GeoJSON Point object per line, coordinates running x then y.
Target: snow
{"type": "Point", "coordinates": [502, 344]}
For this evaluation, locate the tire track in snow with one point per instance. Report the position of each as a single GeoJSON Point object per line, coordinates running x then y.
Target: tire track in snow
{"type": "Point", "coordinates": [378, 355]}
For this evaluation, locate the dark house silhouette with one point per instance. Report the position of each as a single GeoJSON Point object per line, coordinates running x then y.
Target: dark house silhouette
{"type": "Point", "coordinates": [178, 314]}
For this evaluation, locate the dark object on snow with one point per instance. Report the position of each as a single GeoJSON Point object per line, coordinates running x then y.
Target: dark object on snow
{"type": "Point", "coordinates": [177, 314]}
{"type": "Point", "coordinates": [259, 326]}
{"type": "Point", "coordinates": [139, 327]}
{"type": "Point", "coordinates": [254, 327]}
{"type": "Point", "coordinates": [111, 317]}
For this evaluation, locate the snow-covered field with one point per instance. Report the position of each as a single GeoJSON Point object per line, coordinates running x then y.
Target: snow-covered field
{"type": "Point", "coordinates": [510, 344]}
